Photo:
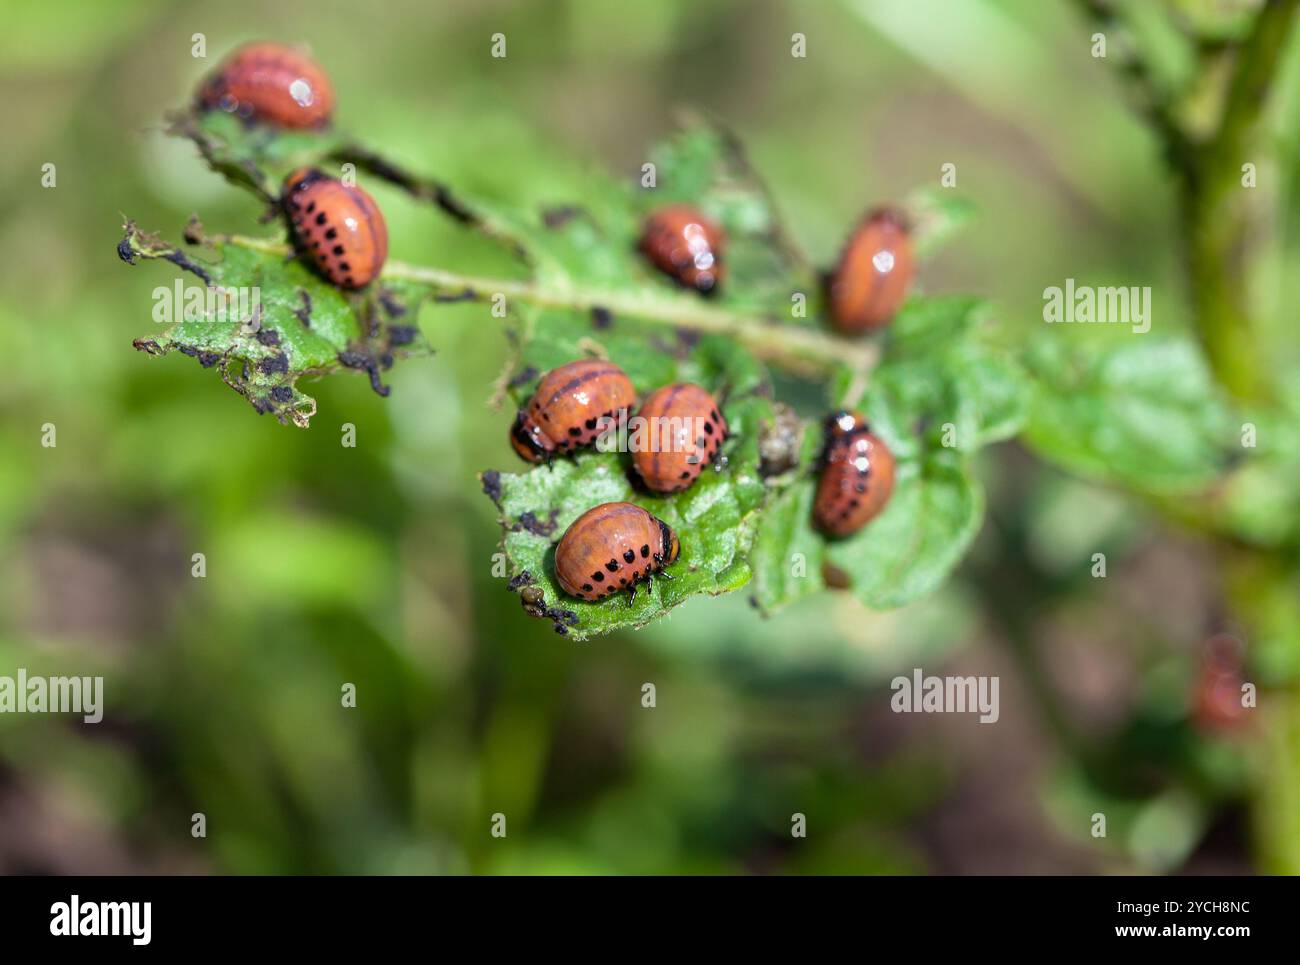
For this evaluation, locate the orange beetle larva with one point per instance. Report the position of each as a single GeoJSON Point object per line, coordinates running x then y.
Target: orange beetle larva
{"type": "Point", "coordinates": [685, 430]}
{"type": "Point", "coordinates": [338, 226]}
{"type": "Point", "coordinates": [565, 411]}
{"type": "Point", "coordinates": [683, 243]}
{"type": "Point", "coordinates": [612, 547]}
{"type": "Point", "coordinates": [873, 275]}
{"type": "Point", "coordinates": [856, 479]}
{"type": "Point", "coordinates": [271, 83]}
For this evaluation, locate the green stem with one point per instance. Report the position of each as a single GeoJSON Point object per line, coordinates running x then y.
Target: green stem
{"type": "Point", "coordinates": [793, 348]}
{"type": "Point", "coordinates": [1216, 217]}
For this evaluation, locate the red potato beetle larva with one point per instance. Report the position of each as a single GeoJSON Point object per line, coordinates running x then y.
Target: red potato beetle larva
{"type": "Point", "coordinates": [856, 479]}
{"type": "Point", "coordinates": [873, 275]}
{"type": "Point", "coordinates": [270, 83]}
{"type": "Point", "coordinates": [684, 431]}
{"type": "Point", "coordinates": [566, 410]}
{"type": "Point", "coordinates": [338, 226]}
{"type": "Point", "coordinates": [684, 244]}
{"type": "Point", "coordinates": [1217, 698]}
{"type": "Point", "coordinates": [612, 547]}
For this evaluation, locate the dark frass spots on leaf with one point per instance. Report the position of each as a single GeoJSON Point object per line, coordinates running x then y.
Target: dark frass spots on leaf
{"type": "Point", "coordinates": [371, 366]}
{"type": "Point", "coordinates": [680, 348]}
{"type": "Point", "coordinates": [520, 579]}
{"type": "Point", "coordinates": [399, 335]}
{"type": "Point", "coordinates": [304, 312]}
{"type": "Point", "coordinates": [530, 523]}
{"type": "Point", "coordinates": [491, 481]}
{"type": "Point", "coordinates": [206, 359]}
{"type": "Point", "coordinates": [391, 305]}
{"type": "Point", "coordinates": [277, 364]}
{"type": "Point", "coordinates": [557, 217]}
{"type": "Point", "coordinates": [282, 394]}
{"type": "Point", "coordinates": [601, 318]}
{"type": "Point", "coordinates": [269, 337]}
{"type": "Point", "coordinates": [466, 294]}
{"type": "Point", "coordinates": [370, 318]}
{"type": "Point", "coordinates": [179, 259]}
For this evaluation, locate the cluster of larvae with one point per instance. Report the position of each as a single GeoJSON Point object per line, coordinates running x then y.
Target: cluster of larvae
{"type": "Point", "coordinates": [340, 231]}
{"type": "Point", "coordinates": [614, 546]}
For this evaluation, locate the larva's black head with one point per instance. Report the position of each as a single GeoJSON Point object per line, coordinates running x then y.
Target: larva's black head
{"type": "Point", "coordinates": [529, 440]}
{"type": "Point", "coordinates": [893, 217]}
{"type": "Point", "coordinates": [844, 422]}
{"type": "Point", "coordinates": [669, 547]}
{"type": "Point", "coordinates": [839, 427]}
{"type": "Point", "coordinates": [300, 179]}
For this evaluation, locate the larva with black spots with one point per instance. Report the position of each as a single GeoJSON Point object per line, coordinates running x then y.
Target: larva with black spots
{"type": "Point", "coordinates": [857, 476]}
{"type": "Point", "coordinates": [611, 548]}
{"type": "Point", "coordinates": [686, 429]}
{"type": "Point", "coordinates": [565, 412]}
{"type": "Point", "coordinates": [336, 225]}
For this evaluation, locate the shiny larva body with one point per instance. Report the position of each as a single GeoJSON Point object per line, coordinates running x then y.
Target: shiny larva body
{"type": "Point", "coordinates": [611, 548]}
{"type": "Point", "coordinates": [685, 245]}
{"type": "Point", "coordinates": [566, 410]}
{"type": "Point", "coordinates": [857, 476]}
{"type": "Point", "coordinates": [873, 275]}
{"type": "Point", "coordinates": [273, 84]}
{"type": "Point", "coordinates": [338, 226]}
{"type": "Point", "coordinates": [683, 431]}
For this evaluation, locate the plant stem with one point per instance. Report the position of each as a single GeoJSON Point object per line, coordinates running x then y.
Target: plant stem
{"type": "Point", "coordinates": [796, 349]}
{"type": "Point", "coordinates": [1216, 217]}
{"type": "Point", "coordinates": [1217, 229]}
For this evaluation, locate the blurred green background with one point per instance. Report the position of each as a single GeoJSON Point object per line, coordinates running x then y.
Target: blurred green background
{"type": "Point", "coordinates": [373, 565]}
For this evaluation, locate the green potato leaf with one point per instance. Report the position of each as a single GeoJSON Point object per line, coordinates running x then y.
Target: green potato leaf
{"type": "Point", "coordinates": [938, 395]}
{"type": "Point", "coordinates": [263, 321]}
{"type": "Point", "coordinates": [1143, 412]}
